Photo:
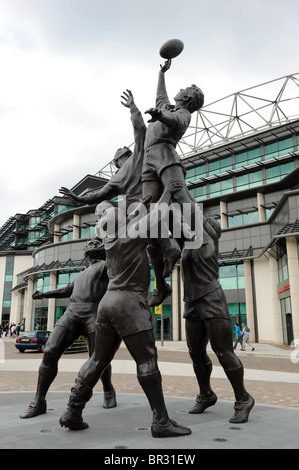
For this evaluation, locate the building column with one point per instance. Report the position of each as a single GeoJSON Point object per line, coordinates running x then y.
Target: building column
{"type": "Point", "coordinates": [261, 208]}
{"type": "Point", "coordinates": [249, 299]}
{"type": "Point", "coordinates": [223, 215]}
{"type": "Point", "coordinates": [28, 304]}
{"type": "Point", "coordinates": [18, 306]}
{"type": "Point", "coordinates": [56, 238]}
{"type": "Point", "coordinates": [175, 305]}
{"type": "Point", "coordinates": [293, 267]}
{"type": "Point", "coordinates": [51, 303]}
{"type": "Point", "coordinates": [76, 227]}
{"type": "Point", "coordinates": [183, 329]}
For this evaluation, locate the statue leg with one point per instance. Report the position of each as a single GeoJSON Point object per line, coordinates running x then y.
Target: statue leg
{"type": "Point", "coordinates": [156, 258]}
{"type": "Point", "coordinates": [182, 197]}
{"type": "Point", "coordinates": [143, 350]}
{"type": "Point", "coordinates": [60, 339]}
{"type": "Point", "coordinates": [109, 391]}
{"type": "Point", "coordinates": [221, 343]}
{"type": "Point", "coordinates": [197, 340]}
{"type": "Point", "coordinates": [162, 252]}
{"type": "Point", "coordinates": [89, 374]}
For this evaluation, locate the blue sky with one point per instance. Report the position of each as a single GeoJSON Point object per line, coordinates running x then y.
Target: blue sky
{"type": "Point", "coordinates": [65, 63]}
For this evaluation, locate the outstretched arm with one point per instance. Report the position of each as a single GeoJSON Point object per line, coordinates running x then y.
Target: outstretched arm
{"type": "Point", "coordinates": [95, 197]}
{"type": "Point", "coordinates": [136, 117]}
{"type": "Point", "coordinates": [56, 293]}
{"type": "Point", "coordinates": [161, 88]}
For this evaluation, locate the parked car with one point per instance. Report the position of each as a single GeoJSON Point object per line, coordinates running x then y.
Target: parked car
{"type": "Point", "coordinates": [36, 339]}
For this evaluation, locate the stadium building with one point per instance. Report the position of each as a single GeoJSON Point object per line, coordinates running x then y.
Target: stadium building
{"type": "Point", "coordinates": [242, 162]}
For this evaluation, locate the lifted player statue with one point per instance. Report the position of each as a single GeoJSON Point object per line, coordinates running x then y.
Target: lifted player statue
{"type": "Point", "coordinates": [85, 292]}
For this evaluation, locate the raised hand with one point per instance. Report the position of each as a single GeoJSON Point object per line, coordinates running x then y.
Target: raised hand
{"type": "Point", "coordinates": [128, 99]}
{"type": "Point", "coordinates": [166, 66]}
{"type": "Point", "coordinates": [156, 114]}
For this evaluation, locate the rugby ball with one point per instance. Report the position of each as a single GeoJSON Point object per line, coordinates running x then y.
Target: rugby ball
{"type": "Point", "coordinates": [171, 49]}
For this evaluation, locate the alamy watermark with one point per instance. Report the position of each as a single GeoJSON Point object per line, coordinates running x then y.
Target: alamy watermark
{"type": "Point", "coordinates": [155, 220]}
{"type": "Point", "coordinates": [295, 354]}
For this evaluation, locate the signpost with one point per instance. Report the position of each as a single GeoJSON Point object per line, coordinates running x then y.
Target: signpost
{"type": "Point", "coordinates": [159, 311]}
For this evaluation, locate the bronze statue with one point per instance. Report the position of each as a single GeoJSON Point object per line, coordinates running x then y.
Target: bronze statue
{"type": "Point", "coordinates": [208, 319]}
{"type": "Point", "coordinates": [162, 164]}
{"type": "Point", "coordinates": [123, 313]}
{"type": "Point", "coordinates": [127, 182]}
{"type": "Point", "coordinates": [85, 292]}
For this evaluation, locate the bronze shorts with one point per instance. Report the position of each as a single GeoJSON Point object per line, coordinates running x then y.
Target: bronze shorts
{"type": "Point", "coordinates": [212, 305]}
{"type": "Point", "coordinates": [123, 313]}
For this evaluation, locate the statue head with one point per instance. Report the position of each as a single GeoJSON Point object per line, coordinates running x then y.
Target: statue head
{"type": "Point", "coordinates": [192, 98]}
{"type": "Point", "coordinates": [94, 249]}
{"type": "Point", "coordinates": [121, 155]}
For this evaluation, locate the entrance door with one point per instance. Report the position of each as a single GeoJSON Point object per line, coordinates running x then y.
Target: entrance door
{"type": "Point", "coordinates": [289, 325]}
{"type": "Point", "coordinates": [167, 328]}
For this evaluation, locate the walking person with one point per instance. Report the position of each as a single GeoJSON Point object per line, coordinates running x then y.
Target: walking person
{"type": "Point", "coordinates": [246, 337]}
{"type": "Point", "coordinates": [238, 336]}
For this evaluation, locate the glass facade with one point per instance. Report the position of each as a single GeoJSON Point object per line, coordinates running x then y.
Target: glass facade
{"type": "Point", "coordinates": [250, 178]}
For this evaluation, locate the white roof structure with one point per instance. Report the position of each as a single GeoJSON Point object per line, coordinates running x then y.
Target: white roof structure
{"type": "Point", "coordinates": [243, 113]}
{"type": "Point", "coordinates": [246, 112]}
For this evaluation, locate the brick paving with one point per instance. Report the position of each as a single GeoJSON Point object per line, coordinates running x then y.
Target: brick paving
{"type": "Point", "coordinates": [265, 393]}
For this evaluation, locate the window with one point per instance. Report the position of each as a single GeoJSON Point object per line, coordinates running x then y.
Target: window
{"type": "Point", "coordinates": [242, 182]}
{"type": "Point", "coordinates": [43, 282]}
{"type": "Point", "coordinates": [276, 173]}
{"type": "Point", "coordinates": [245, 218]}
{"type": "Point", "coordinates": [66, 237]}
{"type": "Point", "coordinates": [221, 187]}
{"type": "Point", "coordinates": [195, 173]}
{"type": "Point", "coordinates": [248, 157]}
{"type": "Point", "coordinates": [87, 232]}
{"type": "Point", "coordinates": [283, 272]}
{"type": "Point", "coordinates": [220, 165]}
{"type": "Point", "coordinates": [249, 180]}
{"type": "Point", "coordinates": [40, 319]}
{"type": "Point", "coordinates": [279, 148]}
{"type": "Point", "coordinates": [199, 193]}
{"type": "Point", "coordinates": [62, 208]}
{"type": "Point", "coordinates": [255, 178]}
{"type": "Point", "coordinates": [64, 277]}
{"type": "Point", "coordinates": [231, 277]}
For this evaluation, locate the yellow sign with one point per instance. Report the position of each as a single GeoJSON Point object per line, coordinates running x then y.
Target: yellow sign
{"type": "Point", "coordinates": [158, 310]}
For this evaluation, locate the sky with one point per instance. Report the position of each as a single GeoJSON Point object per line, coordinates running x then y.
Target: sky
{"type": "Point", "coordinates": [65, 63]}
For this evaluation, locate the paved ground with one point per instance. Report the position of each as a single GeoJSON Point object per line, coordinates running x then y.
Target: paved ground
{"type": "Point", "coordinates": [271, 376]}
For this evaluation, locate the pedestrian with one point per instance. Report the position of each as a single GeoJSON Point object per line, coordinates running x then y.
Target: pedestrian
{"type": "Point", "coordinates": [5, 330]}
{"type": "Point", "coordinates": [246, 337]}
{"type": "Point", "coordinates": [238, 336]}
